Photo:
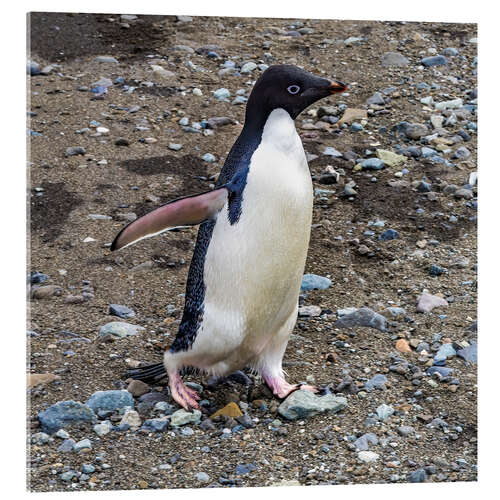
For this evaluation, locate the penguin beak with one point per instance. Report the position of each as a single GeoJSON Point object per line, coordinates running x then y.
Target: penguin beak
{"type": "Point", "coordinates": [337, 87]}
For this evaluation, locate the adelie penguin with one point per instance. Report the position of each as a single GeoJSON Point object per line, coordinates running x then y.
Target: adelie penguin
{"type": "Point", "coordinates": [245, 275]}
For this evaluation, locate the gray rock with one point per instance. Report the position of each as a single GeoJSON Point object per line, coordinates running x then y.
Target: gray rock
{"type": "Point", "coordinates": [208, 157]}
{"type": "Point", "coordinates": [372, 164]}
{"type": "Point", "coordinates": [248, 68]}
{"type": "Point", "coordinates": [183, 417]}
{"type": "Point", "coordinates": [121, 311]}
{"type": "Point", "coordinates": [426, 302]}
{"type": "Point", "coordinates": [394, 59]}
{"type": "Point", "coordinates": [156, 424]}
{"type": "Point", "coordinates": [469, 353]}
{"type": "Point", "coordinates": [376, 98]}
{"type": "Point", "coordinates": [376, 382]}
{"type": "Point", "coordinates": [32, 68]}
{"type": "Point", "coordinates": [68, 476]}
{"type": "Point", "coordinates": [303, 404]}
{"type": "Point", "coordinates": [105, 59]}
{"type": "Point", "coordinates": [40, 438]}
{"type": "Point", "coordinates": [368, 456]}
{"type": "Point", "coordinates": [103, 428]}
{"type": "Point", "coordinates": [415, 130]}
{"type": "Point", "coordinates": [66, 446]}
{"type": "Point", "coordinates": [417, 476]}
{"type": "Point", "coordinates": [74, 150]}
{"type": "Point", "coordinates": [434, 61]}
{"type": "Point", "coordinates": [120, 329]}
{"type": "Point", "coordinates": [309, 311]}
{"type": "Point", "coordinates": [362, 317]}
{"type": "Point", "coordinates": [222, 94]}
{"type": "Point", "coordinates": [202, 477]}
{"type": "Point", "coordinates": [384, 411]}
{"type": "Point", "coordinates": [82, 445]}
{"type": "Point", "coordinates": [405, 430]}
{"type": "Point", "coordinates": [314, 282]}
{"type": "Point", "coordinates": [329, 151]}
{"type": "Point", "coordinates": [461, 153]}
{"type": "Point", "coordinates": [64, 414]}
{"type": "Point", "coordinates": [364, 442]}
{"type": "Point", "coordinates": [110, 400]}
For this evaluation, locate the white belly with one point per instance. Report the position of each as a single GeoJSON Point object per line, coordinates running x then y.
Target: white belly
{"type": "Point", "coordinates": [253, 269]}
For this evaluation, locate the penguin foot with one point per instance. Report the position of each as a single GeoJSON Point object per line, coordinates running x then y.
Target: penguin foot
{"type": "Point", "coordinates": [185, 396]}
{"type": "Point", "coordinates": [281, 388]}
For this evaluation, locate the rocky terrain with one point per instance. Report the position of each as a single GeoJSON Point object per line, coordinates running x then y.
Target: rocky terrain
{"type": "Point", "coordinates": [126, 113]}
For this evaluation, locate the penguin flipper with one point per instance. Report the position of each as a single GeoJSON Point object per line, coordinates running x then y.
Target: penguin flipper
{"type": "Point", "coordinates": [188, 211]}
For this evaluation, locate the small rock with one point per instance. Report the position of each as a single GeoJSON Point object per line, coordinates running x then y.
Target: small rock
{"type": "Point", "coordinates": [138, 388]}
{"type": "Point", "coordinates": [368, 456]}
{"type": "Point", "coordinates": [389, 234]}
{"type": "Point", "coordinates": [363, 442]}
{"type": "Point", "coordinates": [362, 317]}
{"type": "Point", "coordinates": [417, 476]}
{"type": "Point", "coordinates": [403, 346]}
{"type": "Point", "coordinates": [427, 302]}
{"type": "Point", "coordinates": [183, 417]}
{"type": "Point", "coordinates": [202, 477]}
{"type": "Point", "coordinates": [131, 418]}
{"type": "Point", "coordinates": [384, 411]}
{"type": "Point", "coordinates": [314, 282]}
{"type": "Point", "coordinates": [378, 381]}
{"type": "Point", "coordinates": [110, 400]}
{"type": "Point", "coordinates": [394, 59]}
{"type": "Point", "coordinates": [105, 59]}
{"type": "Point", "coordinates": [82, 445]}
{"type": "Point", "coordinates": [121, 311]}
{"type": "Point", "coordinates": [64, 414]}
{"type": "Point", "coordinates": [119, 329]}
{"type": "Point", "coordinates": [389, 158]}
{"type": "Point", "coordinates": [309, 311]}
{"type": "Point", "coordinates": [303, 404]}
{"type": "Point", "coordinates": [434, 61]}
{"type": "Point", "coordinates": [35, 379]}
{"type": "Point", "coordinates": [230, 410]}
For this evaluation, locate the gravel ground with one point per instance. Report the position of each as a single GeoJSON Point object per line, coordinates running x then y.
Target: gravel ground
{"type": "Point", "coordinates": [78, 198]}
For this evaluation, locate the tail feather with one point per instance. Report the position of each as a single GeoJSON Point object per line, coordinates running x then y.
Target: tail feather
{"type": "Point", "coordinates": [148, 373]}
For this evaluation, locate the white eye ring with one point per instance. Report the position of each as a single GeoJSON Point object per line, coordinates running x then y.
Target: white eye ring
{"type": "Point", "coordinates": [293, 89]}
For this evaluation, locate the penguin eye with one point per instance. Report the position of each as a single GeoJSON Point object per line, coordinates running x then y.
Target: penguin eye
{"type": "Point", "coordinates": [293, 89]}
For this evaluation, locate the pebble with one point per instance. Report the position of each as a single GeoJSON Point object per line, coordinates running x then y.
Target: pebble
{"type": "Point", "coordinates": [32, 68]}
{"type": "Point", "coordinates": [121, 311]}
{"type": "Point", "coordinates": [364, 442]}
{"type": "Point", "coordinates": [105, 59]}
{"type": "Point", "coordinates": [222, 94]}
{"type": "Point", "coordinates": [427, 302]}
{"type": "Point", "coordinates": [384, 411]}
{"type": "Point", "coordinates": [64, 414]}
{"type": "Point", "coordinates": [434, 61]}
{"type": "Point", "coordinates": [330, 151]}
{"type": "Point", "coordinates": [403, 346]}
{"type": "Point", "coordinates": [156, 424]}
{"type": "Point", "coordinates": [162, 72]}
{"type": "Point", "coordinates": [103, 428]}
{"type": "Point", "coordinates": [202, 477]}
{"type": "Point", "coordinates": [175, 147]}
{"type": "Point", "coordinates": [309, 311]}
{"type": "Point", "coordinates": [362, 317]}
{"type": "Point", "coordinates": [372, 164]}
{"type": "Point", "coordinates": [376, 382]}
{"type": "Point", "coordinates": [418, 476]}
{"type": "Point", "coordinates": [110, 400]}
{"type": "Point", "coordinates": [376, 98]}
{"type": "Point", "coordinates": [394, 59]}
{"type": "Point", "coordinates": [304, 404]}
{"type": "Point", "coordinates": [389, 234]}
{"type": "Point", "coordinates": [469, 353]}
{"type": "Point", "coordinates": [82, 445]}
{"type": "Point", "coordinates": [368, 456]}
{"type": "Point", "coordinates": [74, 150]}
{"type": "Point", "coordinates": [248, 68]}
{"type": "Point", "coordinates": [35, 379]}
{"type": "Point", "coordinates": [314, 282]}
{"type": "Point", "coordinates": [405, 430]}
{"type": "Point", "coordinates": [183, 417]}
{"type": "Point", "coordinates": [208, 157]}
{"type": "Point", "coordinates": [230, 410]}
{"type": "Point", "coordinates": [66, 446]}
{"type": "Point", "coordinates": [138, 388]}
{"type": "Point", "coordinates": [452, 104]}
{"type": "Point", "coordinates": [120, 329]}
{"type": "Point", "coordinates": [390, 158]}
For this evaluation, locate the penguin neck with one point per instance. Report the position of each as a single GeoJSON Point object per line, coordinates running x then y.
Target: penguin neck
{"type": "Point", "coordinates": [270, 122]}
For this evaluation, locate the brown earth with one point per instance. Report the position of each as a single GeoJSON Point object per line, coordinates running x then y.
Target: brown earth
{"type": "Point", "coordinates": [75, 186]}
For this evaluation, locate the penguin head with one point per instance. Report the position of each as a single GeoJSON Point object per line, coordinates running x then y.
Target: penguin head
{"type": "Point", "coordinates": [290, 88]}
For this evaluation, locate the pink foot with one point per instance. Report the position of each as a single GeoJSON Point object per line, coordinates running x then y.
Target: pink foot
{"type": "Point", "coordinates": [183, 395]}
{"type": "Point", "coordinates": [281, 388]}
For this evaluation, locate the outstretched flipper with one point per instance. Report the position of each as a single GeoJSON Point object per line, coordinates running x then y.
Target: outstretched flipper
{"type": "Point", "coordinates": [188, 211]}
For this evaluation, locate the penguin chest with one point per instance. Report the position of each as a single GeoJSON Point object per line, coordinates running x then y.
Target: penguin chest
{"type": "Point", "coordinates": [253, 268]}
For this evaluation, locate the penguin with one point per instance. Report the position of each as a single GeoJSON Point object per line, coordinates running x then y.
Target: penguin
{"type": "Point", "coordinates": [243, 284]}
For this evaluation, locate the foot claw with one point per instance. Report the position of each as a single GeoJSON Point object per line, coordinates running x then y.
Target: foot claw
{"type": "Point", "coordinates": [310, 388]}
{"type": "Point", "coordinates": [183, 395]}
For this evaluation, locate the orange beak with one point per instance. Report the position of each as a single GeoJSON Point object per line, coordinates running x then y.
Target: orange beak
{"type": "Point", "coordinates": [337, 87]}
